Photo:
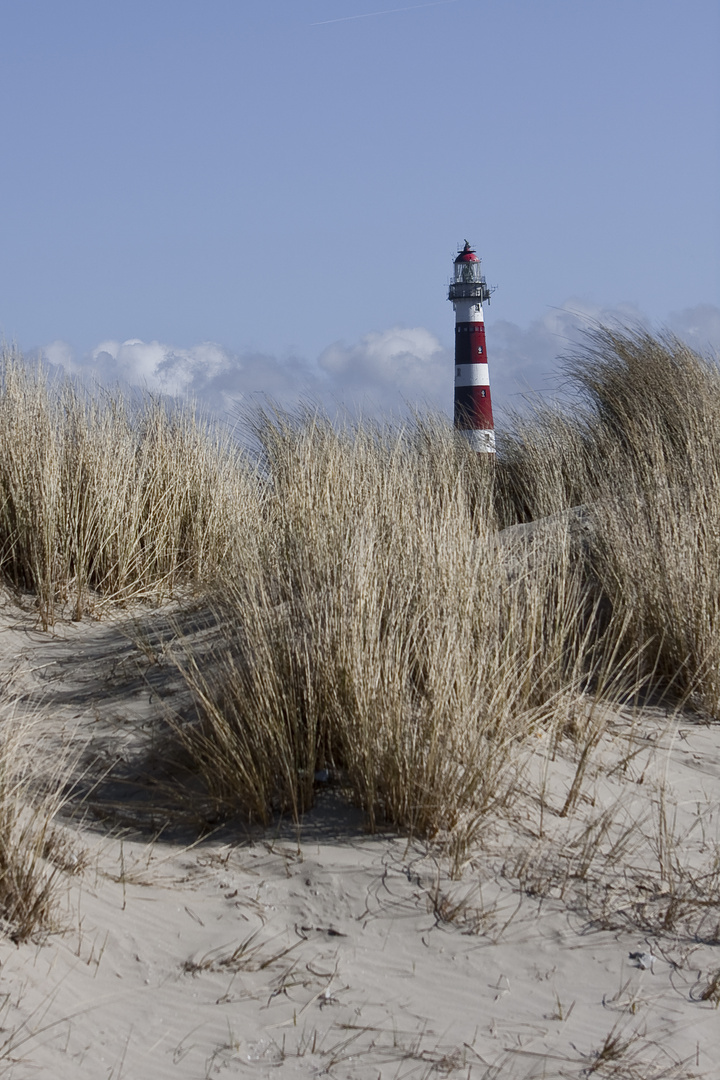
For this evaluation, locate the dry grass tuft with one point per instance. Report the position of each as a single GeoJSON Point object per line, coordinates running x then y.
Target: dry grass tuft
{"type": "Point", "coordinates": [376, 626]}
{"type": "Point", "coordinates": [34, 853]}
{"type": "Point", "coordinates": [637, 448]}
{"type": "Point", "coordinates": [102, 499]}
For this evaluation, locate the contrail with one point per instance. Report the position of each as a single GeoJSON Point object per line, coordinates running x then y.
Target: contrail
{"type": "Point", "coordinates": [387, 11]}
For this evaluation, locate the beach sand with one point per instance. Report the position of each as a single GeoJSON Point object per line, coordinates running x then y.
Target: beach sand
{"type": "Point", "coordinates": [318, 949]}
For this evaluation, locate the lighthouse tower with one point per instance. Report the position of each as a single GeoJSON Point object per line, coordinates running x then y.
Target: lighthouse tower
{"type": "Point", "coordinates": [473, 409]}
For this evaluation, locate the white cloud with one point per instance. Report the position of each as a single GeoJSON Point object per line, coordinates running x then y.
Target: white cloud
{"type": "Point", "coordinates": [59, 354]}
{"type": "Point", "coordinates": [380, 373]}
{"type": "Point", "coordinates": [389, 368]}
{"type": "Point", "coordinates": [699, 326]}
{"type": "Point", "coordinates": [207, 372]}
{"type": "Point", "coordinates": [525, 360]}
{"type": "Point", "coordinates": [154, 365]}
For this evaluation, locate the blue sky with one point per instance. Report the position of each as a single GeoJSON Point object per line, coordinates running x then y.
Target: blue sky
{"type": "Point", "coordinates": [241, 197]}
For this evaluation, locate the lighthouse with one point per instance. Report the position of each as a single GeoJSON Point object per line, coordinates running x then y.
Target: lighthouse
{"type": "Point", "coordinates": [473, 408]}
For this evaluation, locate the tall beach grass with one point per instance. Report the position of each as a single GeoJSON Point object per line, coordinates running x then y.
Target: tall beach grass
{"type": "Point", "coordinates": [394, 611]}
{"type": "Point", "coordinates": [640, 448]}
{"type": "Point", "coordinates": [381, 628]}
{"type": "Point", "coordinates": [104, 499]}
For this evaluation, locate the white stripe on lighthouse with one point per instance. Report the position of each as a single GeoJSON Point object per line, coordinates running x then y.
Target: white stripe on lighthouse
{"type": "Point", "coordinates": [472, 375]}
{"type": "Point", "coordinates": [481, 440]}
{"type": "Point", "coordinates": [468, 311]}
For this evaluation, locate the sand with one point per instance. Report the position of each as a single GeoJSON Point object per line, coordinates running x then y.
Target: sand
{"type": "Point", "coordinates": [322, 950]}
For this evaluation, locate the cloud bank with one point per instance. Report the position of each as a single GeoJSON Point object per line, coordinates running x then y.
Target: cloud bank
{"type": "Point", "coordinates": [384, 372]}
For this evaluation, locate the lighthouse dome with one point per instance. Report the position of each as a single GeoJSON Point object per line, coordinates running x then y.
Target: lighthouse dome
{"type": "Point", "coordinates": [467, 255]}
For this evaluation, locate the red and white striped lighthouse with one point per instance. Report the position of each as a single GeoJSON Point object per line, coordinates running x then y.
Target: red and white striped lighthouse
{"type": "Point", "coordinates": [473, 408]}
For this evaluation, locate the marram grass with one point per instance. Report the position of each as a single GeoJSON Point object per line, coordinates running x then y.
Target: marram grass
{"type": "Point", "coordinates": [380, 618]}
{"type": "Point", "coordinates": [102, 499]}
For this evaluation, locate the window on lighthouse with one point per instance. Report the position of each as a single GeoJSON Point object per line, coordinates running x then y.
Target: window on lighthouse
{"type": "Point", "coordinates": [467, 271]}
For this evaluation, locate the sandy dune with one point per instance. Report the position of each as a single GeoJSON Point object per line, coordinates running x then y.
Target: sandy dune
{"type": "Point", "coordinates": [325, 951]}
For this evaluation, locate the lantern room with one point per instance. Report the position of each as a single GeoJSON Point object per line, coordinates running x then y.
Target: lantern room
{"type": "Point", "coordinates": [467, 267]}
{"type": "Point", "coordinates": [468, 282]}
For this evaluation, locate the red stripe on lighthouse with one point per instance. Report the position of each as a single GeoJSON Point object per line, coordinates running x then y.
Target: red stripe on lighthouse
{"type": "Point", "coordinates": [469, 342]}
{"type": "Point", "coordinates": [473, 408]}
